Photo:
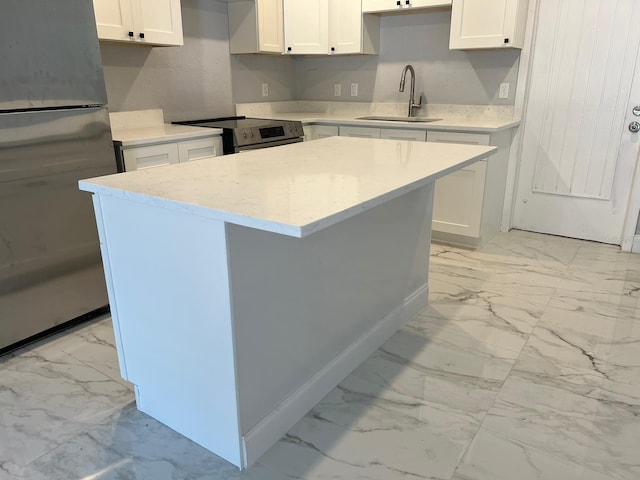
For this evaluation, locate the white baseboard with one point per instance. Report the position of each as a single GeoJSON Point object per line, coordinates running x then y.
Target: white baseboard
{"type": "Point", "coordinates": [635, 247]}
{"type": "Point", "coordinates": [270, 429]}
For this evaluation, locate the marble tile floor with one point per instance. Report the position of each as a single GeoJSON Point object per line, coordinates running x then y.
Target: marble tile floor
{"type": "Point", "coordinates": [526, 365]}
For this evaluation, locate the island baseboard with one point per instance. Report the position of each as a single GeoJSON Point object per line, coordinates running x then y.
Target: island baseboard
{"type": "Point", "coordinates": [263, 435]}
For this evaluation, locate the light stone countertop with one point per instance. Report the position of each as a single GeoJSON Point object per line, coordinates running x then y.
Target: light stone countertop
{"type": "Point", "coordinates": [465, 118]}
{"type": "Point", "coordinates": [294, 189]}
{"type": "Point", "coordinates": [450, 124]}
{"type": "Point", "coordinates": [164, 133]}
{"type": "Point", "coordinates": [140, 127]}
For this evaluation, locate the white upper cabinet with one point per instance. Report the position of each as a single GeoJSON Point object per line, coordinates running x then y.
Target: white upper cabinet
{"type": "Point", "coordinates": [329, 27]}
{"type": "Point", "coordinates": [256, 26]}
{"type": "Point", "coordinates": [488, 24]}
{"type": "Point", "coordinates": [152, 22]}
{"type": "Point", "coordinates": [345, 26]}
{"type": "Point", "coordinates": [381, 6]}
{"type": "Point", "coordinates": [306, 26]}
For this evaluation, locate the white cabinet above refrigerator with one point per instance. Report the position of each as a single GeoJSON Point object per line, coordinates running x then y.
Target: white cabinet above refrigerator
{"type": "Point", "coordinates": [143, 22]}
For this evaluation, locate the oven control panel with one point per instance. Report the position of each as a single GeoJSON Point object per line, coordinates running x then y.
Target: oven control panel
{"type": "Point", "coordinates": [279, 130]}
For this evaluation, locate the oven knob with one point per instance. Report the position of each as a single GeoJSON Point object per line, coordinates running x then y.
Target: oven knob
{"type": "Point", "coordinates": [252, 134]}
{"type": "Point", "coordinates": [244, 134]}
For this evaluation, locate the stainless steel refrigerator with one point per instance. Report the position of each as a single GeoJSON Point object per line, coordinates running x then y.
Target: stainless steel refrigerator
{"type": "Point", "coordinates": [54, 130]}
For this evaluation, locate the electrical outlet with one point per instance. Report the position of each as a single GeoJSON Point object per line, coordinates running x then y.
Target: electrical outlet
{"type": "Point", "coordinates": [265, 89]}
{"type": "Point", "coordinates": [504, 90]}
{"type": "Point", "coordinates": [337, 89]}
{"type": "Point", "coordinates": [354, 89]}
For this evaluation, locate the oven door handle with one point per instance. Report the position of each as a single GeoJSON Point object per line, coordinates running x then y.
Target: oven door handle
{"type": "Point", "coordinates": [277, 143]}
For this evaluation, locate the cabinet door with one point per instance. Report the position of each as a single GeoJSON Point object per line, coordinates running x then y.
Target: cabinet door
{"type": "Point", "coordinates": [114, 19]}
{"type": "Point", "coordinates": [396, 134]}
{"type": "Point", "coordinates": [362, 132]}
{"type": "Point", "coordinates": [315, 132]}
{"type": "Point", "coordinates": [457, 202]}
{"type": "Point", "coordinates": [138, 158]}
{"type": "Point", "coordinates": [190, 150]}
{"type": "Point", "coordinates": [345, 27]}
{"type": "Point", "coordinates": [487, 24]}
{"type": "Point", "coordinates": [158, 22]}
{"type": "Point", "coordinates": [306, 26]}
{"type": "Point", "coordinates": [324, 131]}
{"type": "Point", "coordinates": [270, 26]}
{"type": "Point", "coordinates": [375, 6]}
{"type": "Point", "coordinates": [458, 197]}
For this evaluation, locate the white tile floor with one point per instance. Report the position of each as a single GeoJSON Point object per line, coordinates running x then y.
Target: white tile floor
{"type": "Point", "coordinates": [526, 365]}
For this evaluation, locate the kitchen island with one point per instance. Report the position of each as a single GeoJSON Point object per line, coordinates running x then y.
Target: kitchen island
{"type": "Point", "coordinates": [244, 288]}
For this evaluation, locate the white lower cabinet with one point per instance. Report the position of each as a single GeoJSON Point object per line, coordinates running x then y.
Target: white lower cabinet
{"type": "Point", "coordinates": [201, 148]}
{"type": "Point", "coordinates": [468, 203]}
{"type": "Point", "coordinates": [159, 154]}
{"type": "Point", "coordinates": [398, 134]}
{"type": "Point", "coordinates": [315, 132]}
{"type": "Point", "coordinates": [362, 132]}
{"type": "Point", "coordinates": [388, 133]}
{"type": "Point", "coordinates": [148, 156]}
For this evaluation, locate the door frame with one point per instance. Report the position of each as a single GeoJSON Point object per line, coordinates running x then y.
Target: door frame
{"type": "Point", "coordinates": [628, 242]}
{"type": "Point", "coordinates": [631, 241]}
{"type": "Point", "coordinates": [519, 110]}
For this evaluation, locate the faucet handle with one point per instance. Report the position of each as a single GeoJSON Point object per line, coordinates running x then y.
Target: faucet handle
{"type": "Point", "coordinates": [419, 104]}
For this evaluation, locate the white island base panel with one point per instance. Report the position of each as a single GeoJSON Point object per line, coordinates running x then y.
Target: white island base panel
{"type": "Point", "coordinates": [232, 334]}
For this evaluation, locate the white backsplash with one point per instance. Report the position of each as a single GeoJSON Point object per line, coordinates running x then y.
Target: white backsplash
{"type": "Point", "coordinates": [354, 109]}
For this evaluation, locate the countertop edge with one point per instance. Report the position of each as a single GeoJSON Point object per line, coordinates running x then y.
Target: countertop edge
{"type": "Point", "coordinates": [298, 231]}
{"type": "Point", "coordinates": [166, 133]}
{"type": "Point", "coordinates": [440, 125]}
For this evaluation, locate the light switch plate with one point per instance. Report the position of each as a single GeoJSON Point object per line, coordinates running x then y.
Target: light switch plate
{"type": "Point", "coordinates": [265, 89]}
{"type": "Point", "coordinates": [354, 89]}
{"type": "Point", "coordinates": [337, 90]}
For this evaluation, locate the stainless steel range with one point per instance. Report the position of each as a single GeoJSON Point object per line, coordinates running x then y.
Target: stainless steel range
{"type": "Point", "coordinates": [242, 133]}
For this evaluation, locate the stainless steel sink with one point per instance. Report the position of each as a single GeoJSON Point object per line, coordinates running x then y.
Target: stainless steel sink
{"type": "Point", "coordinates": [400, 119]}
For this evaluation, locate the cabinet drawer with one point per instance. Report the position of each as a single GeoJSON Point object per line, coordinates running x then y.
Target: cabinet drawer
{"type": "Point", "coordinates": [315, 132]}
{"type": "Point", "coordinates": [201, 148]}
{"type": "Point", "coordinates": [363, 132]}
{"type": "Point", "coordinates": [456, 137]}
{"type": "Point", "coordinates": [398, 134]}
{"type": "Point", "coordinates": [458, 199]}
{"type": "Point", "coordinates": [138, 158]}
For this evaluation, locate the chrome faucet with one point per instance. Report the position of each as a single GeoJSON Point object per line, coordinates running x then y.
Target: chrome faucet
{"type": "Point", "coordinates": [413, 86]}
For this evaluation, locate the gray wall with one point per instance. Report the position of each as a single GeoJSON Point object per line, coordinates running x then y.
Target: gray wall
{"type": "Point", "coordinates": [201, 79]}
{"type": "Point", "coordinates": [249, 72]}
{"type": "Point", "coordinates": [186, 82]}
{"type": "Point", "coordinates": [445, 76]}
{"type": "Point", "coordinates": [193, 81]}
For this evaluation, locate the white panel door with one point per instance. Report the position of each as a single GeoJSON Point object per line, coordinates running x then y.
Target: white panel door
{"type": "Point", "coordinates": [160, 21]}
{"type": "Point", "coordinates": [306, 26]}
{"type": "Point", "coordinates": [270, 26]}
{"type": "Point", "coordinates": [578, 155]}
{"type": "Point", "coordinates": [488, 24]}
{"type": "Point", "coordinates": [345, 26]}
{"type": "Point", "coordinates": [114, 19]}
